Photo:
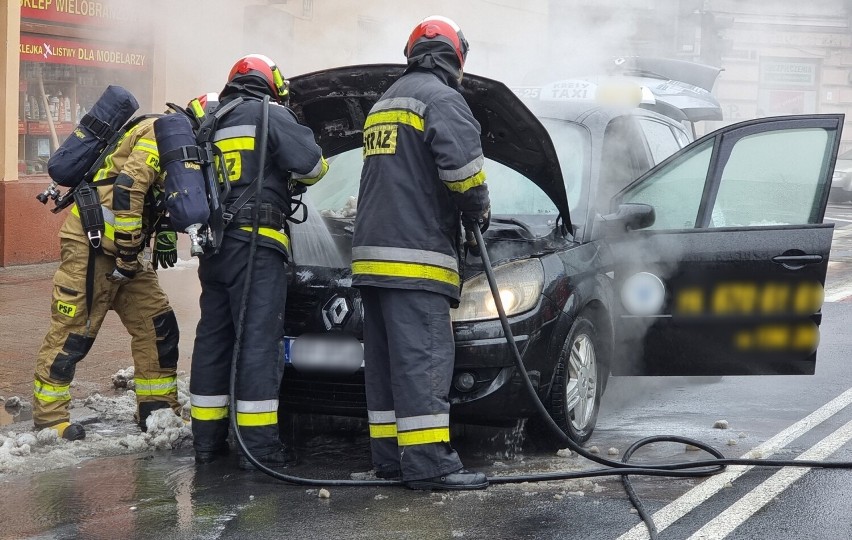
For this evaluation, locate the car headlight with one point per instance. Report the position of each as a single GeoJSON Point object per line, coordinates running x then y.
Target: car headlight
{"type": "Point", "coordinates": [520, 285]}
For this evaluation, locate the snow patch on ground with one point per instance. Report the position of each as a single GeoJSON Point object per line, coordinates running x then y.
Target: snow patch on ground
{"type": "Point", "coordinates": [182, 264]}
{"type": "Point", "coordinates": [110, 431]}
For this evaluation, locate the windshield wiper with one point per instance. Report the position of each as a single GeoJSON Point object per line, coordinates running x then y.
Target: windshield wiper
{"type": "Point", "coordinates": [516, 222]}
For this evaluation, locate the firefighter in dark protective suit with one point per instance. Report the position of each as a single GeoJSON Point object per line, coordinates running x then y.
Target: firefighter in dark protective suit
{"type": "Point", "coordinates": [117, 275]}
{"type": "Point", "coordinates": [422, 172]}
{"type": "Point", "coordinates": [294, 161]}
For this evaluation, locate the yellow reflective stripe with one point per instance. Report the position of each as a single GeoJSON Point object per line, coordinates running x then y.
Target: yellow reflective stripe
{"type": "Point", "coordinates": [257, 419]}
{"type": "Point", "coordinates": [395, 117]}
{"type": "Point", "coordinates": [314, 176]}
{"type": "Point", "coordinates": [463, 185]}
{"type": "Point", "coordinates": [208, 413]}
{"type": "Point", "coordinates": [109, 230]}
{"type": "Point", "coordinates": [49, 393]}
{"type": "Point", "coordinates": [382, 431]}
{"type": "Point", "coordinates": [156, 387]}
{"type": "Point", "coordinates": [147, 145]}
{"type": "Point", "coordinates": [236, 143]}
{"type": "Point", "coordinates": [274, 234]}
{"type": "Point", "coordinates": [406, 270]}
{"type": "Point", "coordinates": [127, 223]}
{"type": "Point", "coordinates": [109, 164]}
{"type": "Point", "coordinates": [423, 436]}
{"type": "Point", "coordinates": [197, 109]}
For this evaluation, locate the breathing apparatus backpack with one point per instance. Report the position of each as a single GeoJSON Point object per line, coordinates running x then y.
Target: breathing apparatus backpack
{"type": "Point", "coordinates": [196, 180]}
{"type": "Point", "coordinates": [79, 157]}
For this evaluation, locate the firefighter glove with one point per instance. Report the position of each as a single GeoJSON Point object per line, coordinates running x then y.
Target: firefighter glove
{"type": "Point", "coordinates": [120, 275]}
{"type": "Point", "coordinates": [478, 219]}
{"type": "Point", "coordinates": [165, 244]}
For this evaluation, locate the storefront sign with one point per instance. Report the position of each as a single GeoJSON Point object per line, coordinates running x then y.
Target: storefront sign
{"type": "Point", "coordinates": [788, 73]}
{"type": "Point", "coordinates": [61, 51]}
{"type": "Point", "coordinates": [80, 12]}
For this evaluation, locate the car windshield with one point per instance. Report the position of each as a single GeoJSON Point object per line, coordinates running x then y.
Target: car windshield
{"type": "Point", "coordinates": [511, 193]}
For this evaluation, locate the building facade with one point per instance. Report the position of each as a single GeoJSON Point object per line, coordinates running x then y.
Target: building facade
{"type": "Point", "coordinates": [780, 57]}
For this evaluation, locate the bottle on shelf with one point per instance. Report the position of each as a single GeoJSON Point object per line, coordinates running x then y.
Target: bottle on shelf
{"type": "Point", "coordinates": [54, 107]}
{"type": "Point", "coordinates": [60, 108]}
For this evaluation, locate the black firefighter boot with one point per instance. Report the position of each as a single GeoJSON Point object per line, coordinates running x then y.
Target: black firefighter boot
{"type": "Point", "coordinates": [279, 459]}
{"type": "Point", "coordinates": [462, 479]}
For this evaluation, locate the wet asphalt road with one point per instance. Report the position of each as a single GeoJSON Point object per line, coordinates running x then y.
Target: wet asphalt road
{"type": "Point", "coordinates": [163, 495]}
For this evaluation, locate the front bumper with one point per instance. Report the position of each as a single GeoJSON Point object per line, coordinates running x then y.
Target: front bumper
{"type": "Point", "coordinates": [497, 397]}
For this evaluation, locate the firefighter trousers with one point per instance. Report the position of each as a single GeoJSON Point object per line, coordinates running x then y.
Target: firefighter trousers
{"type": "Point", "coordinates": [409, 352]}
{"type": "Point", "coordinates": [144, 310]}
{"type": "Point", "coordinates": [260, 366]}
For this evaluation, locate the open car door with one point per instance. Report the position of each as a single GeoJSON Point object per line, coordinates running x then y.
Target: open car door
{"type": "Point", "coordinates": [729, 278]}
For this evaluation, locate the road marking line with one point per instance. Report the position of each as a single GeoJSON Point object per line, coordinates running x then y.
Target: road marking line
{"type": "Point", "coordinates": [838, 219]}
{"type": "Point", "coordinates": [739, 512]}
{"type": "Point", "coordinates": [690, 500]}
{"type": "Point", "coordinates": [838, 291]}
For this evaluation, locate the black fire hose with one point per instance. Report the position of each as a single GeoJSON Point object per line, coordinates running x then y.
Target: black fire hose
{"type": "Point", "coordinates": [238, 338]}
{"type": "Point", "coordinates": [622, 468]}
{"type": "Point", "coordinates": [612, 468]}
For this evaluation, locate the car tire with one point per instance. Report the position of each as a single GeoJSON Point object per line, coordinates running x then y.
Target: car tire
{"type": "Point", "coordinates": [578, 383]}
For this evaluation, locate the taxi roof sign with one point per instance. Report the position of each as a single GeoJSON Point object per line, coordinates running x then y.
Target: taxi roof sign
{"type": "Point", "coordinates": [611, 91]}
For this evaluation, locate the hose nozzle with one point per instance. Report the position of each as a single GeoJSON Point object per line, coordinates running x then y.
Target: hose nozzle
{"type": "Point", "coordinates": [196, 248]}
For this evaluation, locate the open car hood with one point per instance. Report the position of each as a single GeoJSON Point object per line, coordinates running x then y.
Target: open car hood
{"type": "Point", "coordinates": [335, 103]}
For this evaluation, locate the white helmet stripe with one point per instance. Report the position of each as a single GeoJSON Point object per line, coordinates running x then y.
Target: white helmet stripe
{"type": "Point", "coordinates": [264, 58]}
{"type": "Point", "coordinates": [442, 19]}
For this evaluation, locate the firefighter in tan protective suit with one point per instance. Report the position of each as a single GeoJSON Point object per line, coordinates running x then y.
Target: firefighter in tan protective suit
{"type": "Point", "coordinates": [116, 275]}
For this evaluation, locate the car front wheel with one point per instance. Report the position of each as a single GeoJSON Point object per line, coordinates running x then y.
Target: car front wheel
{"type": "Point", "coordinates": [578, 382]}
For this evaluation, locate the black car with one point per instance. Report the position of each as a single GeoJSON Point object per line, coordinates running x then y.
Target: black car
{"type": "Point", "coordinates": [710, 263]}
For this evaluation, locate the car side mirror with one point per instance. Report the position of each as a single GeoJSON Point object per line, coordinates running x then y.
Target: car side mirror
{"type": "Point", "coordinates": [628, 217]}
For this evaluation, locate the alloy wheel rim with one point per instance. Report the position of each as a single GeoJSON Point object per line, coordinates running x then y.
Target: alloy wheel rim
{"type": "Point", "coordinates": [581, 389]}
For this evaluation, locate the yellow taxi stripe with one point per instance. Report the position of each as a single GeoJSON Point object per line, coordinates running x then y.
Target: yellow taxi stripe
{"type": "Point", "coordinates": [463, 185]}
{"type": "Point", "coordinates": [395, 117]}
{"type": "Point", "coordinates": [274, 234]}
{"type": "Point", "coordinates": [382, 431]}
{"type": "Point", "coordinates": [406, 270]}
{"type": "Point", "coordinates": [208, 413]}
{"type": "Point", "coordinates": [236, 143]}
{"type": "Point", "coordinates": [423, 436]}
{"type": "Point", "coordinates": [257, 419]}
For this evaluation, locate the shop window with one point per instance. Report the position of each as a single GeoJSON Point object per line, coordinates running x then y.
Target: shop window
{"type": "Point", "coordinates": [54, 96]}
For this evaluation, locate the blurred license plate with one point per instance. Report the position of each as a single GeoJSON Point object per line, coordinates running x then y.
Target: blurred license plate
{"type": "Point", "coordinates": [340, 353]}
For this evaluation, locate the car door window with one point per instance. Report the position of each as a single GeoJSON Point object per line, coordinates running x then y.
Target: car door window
{"type": "Point", "coordinates": [675, 190]}
{"type": "Point", "coordinates": [762, 186]}
{"type": "Point", "coordinates": [624, 157]}
{"type": "Point", "coordinates": [661, 139]}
